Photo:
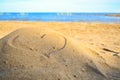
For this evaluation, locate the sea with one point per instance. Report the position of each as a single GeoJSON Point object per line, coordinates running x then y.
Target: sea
{"type": "Point", "coordinates": [60, 17]}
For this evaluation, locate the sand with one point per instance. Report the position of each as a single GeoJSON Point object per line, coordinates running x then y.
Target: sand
{"type": "Point", "coordinates": [59, 51]}
{"type": "Point", "coordinates": [114, 15]}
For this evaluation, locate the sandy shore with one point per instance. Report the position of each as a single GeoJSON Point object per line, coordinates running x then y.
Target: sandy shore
{"type": "Point", "coordinates": [114, 15]}
{"type": "Point", "coordinates": [59, 51]}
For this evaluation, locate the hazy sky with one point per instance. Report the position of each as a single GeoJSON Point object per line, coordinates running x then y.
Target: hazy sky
{"type": "Point", "coordinates": [59, 5]}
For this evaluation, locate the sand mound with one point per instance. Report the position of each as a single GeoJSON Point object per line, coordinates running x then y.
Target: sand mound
{"type": "Point", "coordinates": [44, 54]}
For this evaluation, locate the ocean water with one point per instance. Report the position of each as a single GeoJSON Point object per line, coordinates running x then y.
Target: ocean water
{"type": "Point", "coordinates": [59, 17]}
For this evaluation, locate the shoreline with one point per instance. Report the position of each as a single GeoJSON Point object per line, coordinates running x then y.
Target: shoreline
{"type": "Point", "coordinates": [57, 22]}
{"type": "Point", "coordinates": [113, 15]}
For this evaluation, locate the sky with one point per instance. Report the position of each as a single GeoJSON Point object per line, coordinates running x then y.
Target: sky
{"type": "Point", "coordinates": [60, 6]}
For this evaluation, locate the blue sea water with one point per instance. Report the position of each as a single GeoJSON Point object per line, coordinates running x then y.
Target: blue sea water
{"type": "Point", "coordinates": [59, 17]}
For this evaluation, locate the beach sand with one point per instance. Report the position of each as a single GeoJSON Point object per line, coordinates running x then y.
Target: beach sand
{"type": "Point", "coordinates": [59, 51]}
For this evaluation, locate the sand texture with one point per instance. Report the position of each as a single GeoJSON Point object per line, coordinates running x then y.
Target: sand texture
{"type": "Point", "coordinates": [59, 51]}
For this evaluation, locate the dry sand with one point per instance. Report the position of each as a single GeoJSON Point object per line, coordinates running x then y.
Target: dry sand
{"type": "Point", "coordinates": [59, 51]}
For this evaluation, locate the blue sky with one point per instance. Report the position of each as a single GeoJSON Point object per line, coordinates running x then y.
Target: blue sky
{"type": "Point", "coordinates": [59, 5]}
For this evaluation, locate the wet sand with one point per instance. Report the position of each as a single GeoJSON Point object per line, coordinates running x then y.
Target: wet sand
{"type": "Point", "coordinates": [114, 15]}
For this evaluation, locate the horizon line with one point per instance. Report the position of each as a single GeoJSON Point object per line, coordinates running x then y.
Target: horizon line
{"type": "Point", "coordinates": [57, 12]}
